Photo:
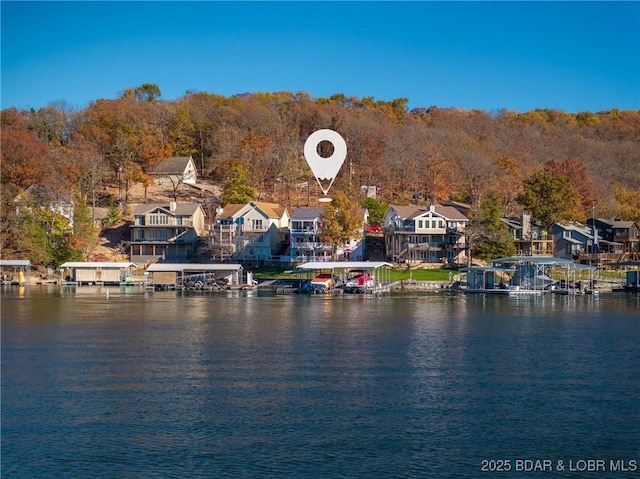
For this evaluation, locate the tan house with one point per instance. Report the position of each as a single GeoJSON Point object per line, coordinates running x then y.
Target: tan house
{"type": "Point", "coordinates": [529, 237]}
{"type": "Point", "coordinates": [175, 170]}
{"type": "Point", "coordinates": [255, 231]}
{"type": "Point", "coordinates": [425, 234]}
{"type": "Point", "coordinates": [168, 232]}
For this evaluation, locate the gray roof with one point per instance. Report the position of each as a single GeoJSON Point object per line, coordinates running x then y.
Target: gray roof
{"type": "Point", "coordinates": [182, 209]}
{"type": "Point", "coordinates": [171, 166]}
{"type": "Point", "coordinates": [15, 262]}
{"type": "Point", "coordinates": [413, 211]}
{"type": "Point", "coordinates": [44, 194]}
{"type": "Point", "coordinates": [307, 213]}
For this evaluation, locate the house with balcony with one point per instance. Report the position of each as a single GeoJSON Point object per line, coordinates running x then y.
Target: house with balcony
{"type": "Point", "coordinates": [255, 231]}
{"type": "Point", "coordinates": [626, 233]}
{"type": "Point", "coordinates": [432, 234]}
{"type": "Point", "coordinates": [168, 232]}
{"type": "Point", "coordinates": [305, 243]}
{"type": "Point", "coordinates": [581, 243]}
{"type": "Point", "coordinates": [530, 238]}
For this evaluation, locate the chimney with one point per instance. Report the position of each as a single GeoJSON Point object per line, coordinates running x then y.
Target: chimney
{"type": "Point", "coordinates": [172, 205]}
{"type": "Point", "coordinates": [526, 226]}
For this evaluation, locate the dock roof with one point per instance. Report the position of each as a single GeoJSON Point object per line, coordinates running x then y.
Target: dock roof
{"type": "Point", "coordinates": [97, 264]}
{"type": "Point", "coordinates": [319, 265]}
{"type": "Point", "coordinates": [197, 267]}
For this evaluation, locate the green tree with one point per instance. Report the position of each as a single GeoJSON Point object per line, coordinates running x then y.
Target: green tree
{"type": "Point", "coordinates": [113, 216]}
{"type": "Point", "coordinates": [237, 188]}
{"type": "Point", "coordinates": [551, 197]}
{"type": "Point", "coordinates": [84, 236]}
{"type": "Point", "coordinates": [493, 240]}
{"type": "Point", "coordinates": [340, 221]}
{"type": "Point", "coordinates": [376, 208]}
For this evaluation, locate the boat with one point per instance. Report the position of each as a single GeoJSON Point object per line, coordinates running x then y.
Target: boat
{"type": "Point", "coordinates": [524, 275]}
{"type": "Point", "coordinates": [322, 283]}
{"type": "Point", "coordinates": [358, 282]}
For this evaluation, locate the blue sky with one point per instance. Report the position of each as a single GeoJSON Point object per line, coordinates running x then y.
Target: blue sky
{"type": "Point", "coordinates": [572, 56]}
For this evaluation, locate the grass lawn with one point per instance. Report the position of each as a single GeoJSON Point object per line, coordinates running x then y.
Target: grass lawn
{"type": "Point", "coordinates": [271, 272]}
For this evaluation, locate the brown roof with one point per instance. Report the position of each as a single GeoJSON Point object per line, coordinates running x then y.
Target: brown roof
{"type": "Point", "coordinates": [171, 166]}
{"type": "Point", "coordinates": [272, 210]}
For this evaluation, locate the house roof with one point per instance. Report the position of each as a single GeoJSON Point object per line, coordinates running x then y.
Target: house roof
{"type": "Point", "coordinates": [604, 223]}
{"type": "Point", "coordinates": [182, 209]}
{"type": "Point", "coordinates": [307, 213]}
{"type": "Point", "coordinates": [46, 194]}
{"type": "Point", "coordinates": [413, 211]}
{"type": "Point", "coordinates": [272, 210]}
{"type": "Point", "coordinates": [171, 166]}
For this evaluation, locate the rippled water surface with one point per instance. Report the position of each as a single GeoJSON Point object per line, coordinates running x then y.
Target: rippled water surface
{"type": "Point", "coordinates": [161, 385]}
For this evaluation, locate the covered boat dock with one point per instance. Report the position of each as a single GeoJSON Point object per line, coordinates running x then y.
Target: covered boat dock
{"type": "Point", "coordinates": [113, 273]}
{"type": "Point", "coordinates": [521, 275]}
{"type": "Point", "coordinates": [352, 276]}
{"type": "Point", "coordinates": [205, 276]}
{"type": "Point", "coordinates": [15, 271]}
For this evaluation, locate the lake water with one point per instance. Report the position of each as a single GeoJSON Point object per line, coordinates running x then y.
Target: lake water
{"type": "Point", "coordinates": [172, 385]}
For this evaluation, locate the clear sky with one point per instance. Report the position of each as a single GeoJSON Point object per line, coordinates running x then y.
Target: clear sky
{"type": "Point", "coordinates": [572, 56]}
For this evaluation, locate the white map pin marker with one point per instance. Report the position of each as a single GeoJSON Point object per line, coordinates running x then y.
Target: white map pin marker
{"type": "Point", "coordinates": [325, 168]}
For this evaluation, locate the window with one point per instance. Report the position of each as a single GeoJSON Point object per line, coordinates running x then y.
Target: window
{"type": "Point", "coordinates": [419, 223]}
{"type": "Point", "coordinates": [440, 224]}
{"type": "Point", "coordinates": [433, 224]}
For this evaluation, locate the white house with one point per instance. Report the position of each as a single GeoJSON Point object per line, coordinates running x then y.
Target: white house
{"type": "Point", "coordinates": [425, 234]}
{"type": "Point", "coordinates": [175, 170]}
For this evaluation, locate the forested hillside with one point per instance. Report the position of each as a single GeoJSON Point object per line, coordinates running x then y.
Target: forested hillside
{"type": "Point", "coordinates": [576, 162]}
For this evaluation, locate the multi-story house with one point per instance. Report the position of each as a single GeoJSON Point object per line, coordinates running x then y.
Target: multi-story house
{"type": "Point", "coordinates": [417, 234]}
{"type": "Point", "coordinates": [166, 231]}
{"type": "Point", "coordinates": [530, 238]}
{"type": "Point", "coordinates": [578, 242]}
{"type": "Point", "coordinates": [626, 233]}
{"type": "Point", "coordinates": [306, 245]}
{"type": "Point", "coordinates": [255, 231]}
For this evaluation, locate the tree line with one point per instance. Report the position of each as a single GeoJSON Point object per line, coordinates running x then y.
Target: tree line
{"type": "Point", "coordinates": [555, 165]}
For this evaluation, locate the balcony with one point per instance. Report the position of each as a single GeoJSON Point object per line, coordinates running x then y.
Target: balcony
{"type": "Point", "coordinates": [238, 229]}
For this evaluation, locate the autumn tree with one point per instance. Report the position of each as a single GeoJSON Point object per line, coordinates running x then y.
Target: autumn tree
{"type": "Point", "coordinates": [551, 198]}
{"type": "Point", "coordinates": [580, 179]}
{"type": "Point", "coordinates": [628, 204]}
{"type": "Point", "coordinates": [237, 188]}
{"type": "Point", "coordinates": [340, 221]}
{"type": "Point", "coordinates": [25, 160]}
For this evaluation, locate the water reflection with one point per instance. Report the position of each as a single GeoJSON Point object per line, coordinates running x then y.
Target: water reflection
{"type": "Point", "coordinates": [213, 385]}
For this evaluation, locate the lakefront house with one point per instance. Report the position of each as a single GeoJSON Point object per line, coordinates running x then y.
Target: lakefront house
{"type": "Point", "coordinates": [254, 231]}
{"type": "Point", "coordinates": [167, 232]}
{"type": "Point", "coordinates": [432, 234]}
